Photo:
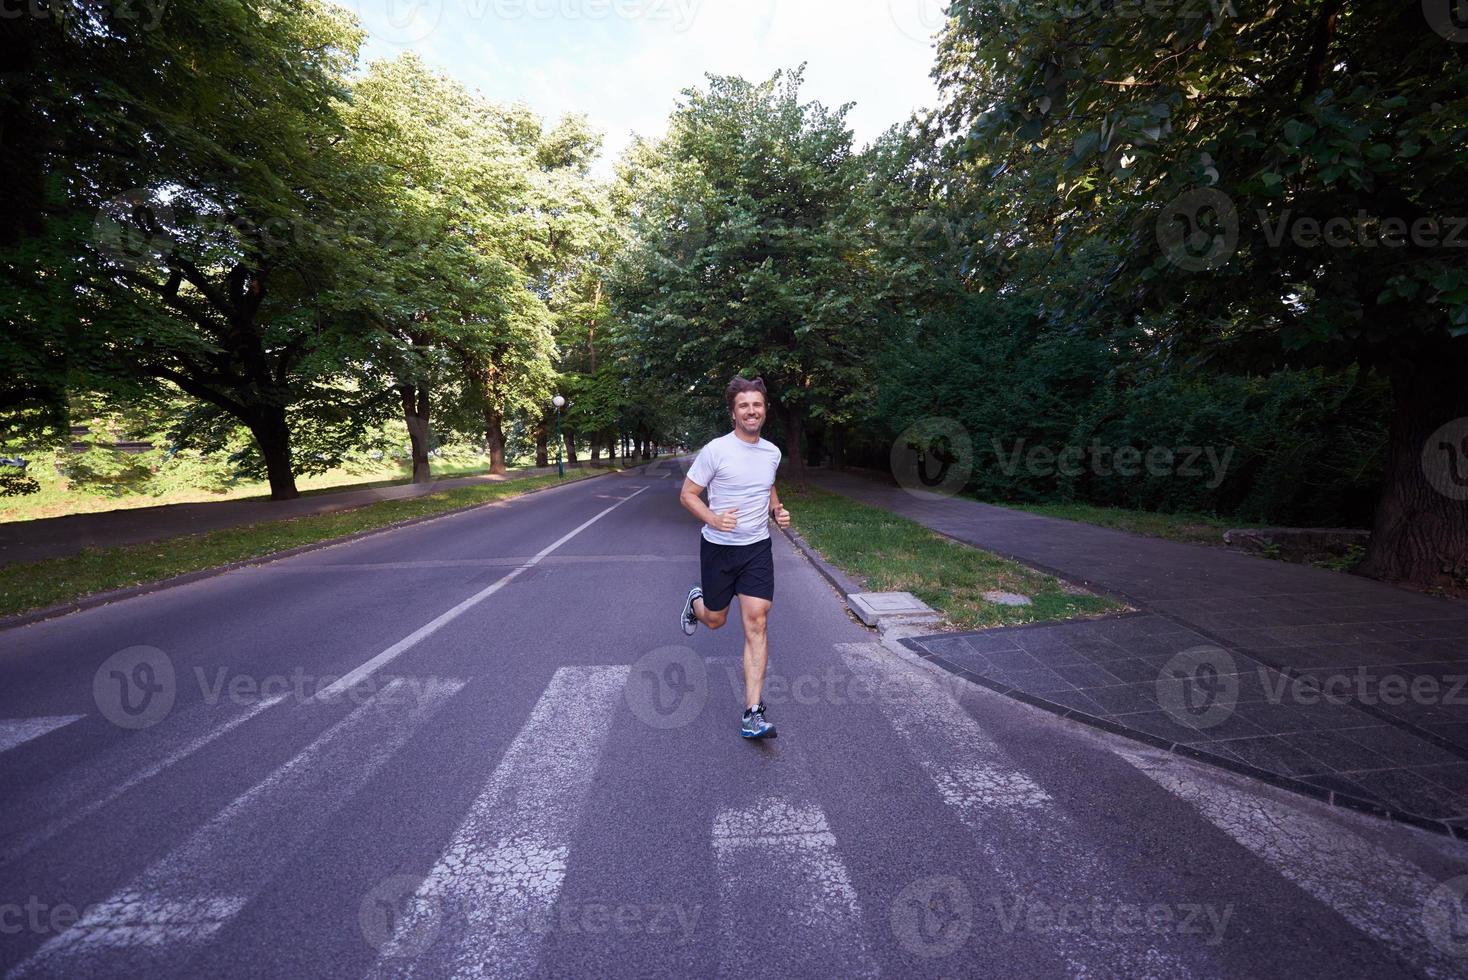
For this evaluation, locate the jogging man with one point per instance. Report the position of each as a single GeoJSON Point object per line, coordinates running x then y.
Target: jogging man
{"type": "Point", "coordinates": [738, 470]}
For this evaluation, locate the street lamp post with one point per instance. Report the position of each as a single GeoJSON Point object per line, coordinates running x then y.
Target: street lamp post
{"type": "Point", "coordinates": [559, 402]}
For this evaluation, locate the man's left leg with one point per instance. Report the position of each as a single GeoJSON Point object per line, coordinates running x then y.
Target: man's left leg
{"type": "Point", "coordinates": [755, 613]}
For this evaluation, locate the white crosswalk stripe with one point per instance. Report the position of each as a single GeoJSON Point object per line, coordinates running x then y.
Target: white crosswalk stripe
{"type": "Point", "coordinates": [778, 861]}
{"type": "Point", "coordinates": [487, 905]}
{"type": "Point", "coordinates": [1001, 805]}
{"type": "Point", "coordinates": [76, 794]}
{"type": "Point", "coordinates": [486, 901]}
{"type": "Point", "coordinates": [18, 731]}
{"type": "Point", "coordinates": [1384, 896]}
{"type": "Point", "coordinates": [183, 899]}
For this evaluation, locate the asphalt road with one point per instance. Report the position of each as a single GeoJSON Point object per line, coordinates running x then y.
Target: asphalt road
{"type": "Point", "coordinates": [481, 746]}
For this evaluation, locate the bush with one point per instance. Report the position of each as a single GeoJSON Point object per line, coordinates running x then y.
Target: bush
{"type": "Point", "coordinates": [1296, 447]}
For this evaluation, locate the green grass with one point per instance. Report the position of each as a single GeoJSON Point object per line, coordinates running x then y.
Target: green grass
{"type": "Point", "coordinates": [893, 554]}
{"type": "Point", "coordinates": [1192, 528]}
{"type": "Point", "coordinates": [59, 497]}
{"type": "Point", "coordinates": [37, 584]}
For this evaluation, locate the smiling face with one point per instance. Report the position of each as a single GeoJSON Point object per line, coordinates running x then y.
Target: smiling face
{"type": "Point", "coordinates": [749, 413]}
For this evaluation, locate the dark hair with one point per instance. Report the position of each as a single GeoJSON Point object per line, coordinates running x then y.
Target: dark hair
{"type": "Point", "coordinates": [739, 386]}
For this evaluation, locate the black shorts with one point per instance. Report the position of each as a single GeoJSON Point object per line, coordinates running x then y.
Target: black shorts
{"type": "Point", "coordinates": [746, 569]}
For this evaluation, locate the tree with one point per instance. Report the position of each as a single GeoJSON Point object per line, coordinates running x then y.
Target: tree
{"type": "Point", "coordinates": [749, 250]}
{"type": "Point", "coordinates": [195, 187]}
{"type": "Point", "coordinates": [1282, 180]}
{"type": "Point", "coordinates": [458, 319]}
{"type": "Point", "coordinates": [570, 259]}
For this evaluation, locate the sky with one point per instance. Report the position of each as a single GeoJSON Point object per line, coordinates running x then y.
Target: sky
{"type": "Point", "coordinates": [624, 62]}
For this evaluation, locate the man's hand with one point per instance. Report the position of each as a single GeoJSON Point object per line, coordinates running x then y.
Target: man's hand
{"type": "Point", "coordinates": [728, 520]}
{"type": "Point", "coordinates": [782, 516]}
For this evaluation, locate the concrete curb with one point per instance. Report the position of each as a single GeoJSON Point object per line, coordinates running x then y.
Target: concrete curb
{"type": "Point", "coordinates": [116, 595]}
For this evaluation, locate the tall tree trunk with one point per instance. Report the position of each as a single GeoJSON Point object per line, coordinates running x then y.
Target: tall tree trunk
{"type": "Point", "coordinates": [612, 445]}
{"type": "Point", "coordinates": [273, 436]}
{"type": "Point", "coordinates": [595, 448]}
{"type": "Point", "coordinates": [838, 447]}
{"type": "Point", "coordinates": [494, 436]}
{"type": "Point", "coordinates": [795, 451]}
{"type": "Point", "coordinates": [1420, 533]}
{"type": "Point", "coordinates": [542, 444]}
{"type": "Point", "coordinates": [570, 438]}
{"type": "Point", "coordinates": [415, 413]}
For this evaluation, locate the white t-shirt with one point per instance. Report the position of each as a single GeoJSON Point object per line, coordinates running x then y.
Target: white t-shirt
{"type": "Point", "coordinates": [738, 474]}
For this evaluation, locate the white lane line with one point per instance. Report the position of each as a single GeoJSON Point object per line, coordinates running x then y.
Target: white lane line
{"type": "Point", "coordinates": [18, 731]}
{"type": "Point", "coordinates": [423, 632]}
{"type": "Point", "coordinates": [1382, 895]}
{"type": "Point", "coordinates": [1033, 846]}
{"type": "Point", "coordinates": [180, 901]}
{"type": "Point", "coordinates": [78, 794]}
{"type": "Point", "coordinates": [778, 862]}
{"type": "Point", "coordinates": [487, 900]}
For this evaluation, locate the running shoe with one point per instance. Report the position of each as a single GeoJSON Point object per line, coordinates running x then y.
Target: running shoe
{"type": "Point", "coordinates": [687, 619]}
{"type": "Point", "coordinates": [755, 725]}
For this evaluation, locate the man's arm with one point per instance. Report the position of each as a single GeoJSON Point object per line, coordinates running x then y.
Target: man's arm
{"type": "Point", "coordinates": [691, 497]}
{"type": "Point", "coordinates": [779, 513]}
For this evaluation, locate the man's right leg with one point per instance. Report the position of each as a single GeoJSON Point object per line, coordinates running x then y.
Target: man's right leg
{"type": "Point", "coordinates": [716, 576]}
{"type": "Point", "coordinates": [708, 617]}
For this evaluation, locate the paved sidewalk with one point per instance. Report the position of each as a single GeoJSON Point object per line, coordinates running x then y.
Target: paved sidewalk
{"type": "Point", "coordinates": [1328, 683]}
{"type": "Point", "coordinates": [54, 537]}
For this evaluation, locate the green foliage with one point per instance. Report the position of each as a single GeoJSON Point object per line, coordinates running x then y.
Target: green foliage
{"type": "Point", "coordinates": [224, 210]}
{"type": "Point", "coordinates": [1293, 446]}
{"type": "Point", "coordinates": [747, 250]}
{"type": "Point", "coordinates": [1072, 122]}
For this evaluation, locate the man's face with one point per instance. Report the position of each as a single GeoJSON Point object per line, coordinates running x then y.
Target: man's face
{"type": "Point", "coordinates": [749, 411]}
